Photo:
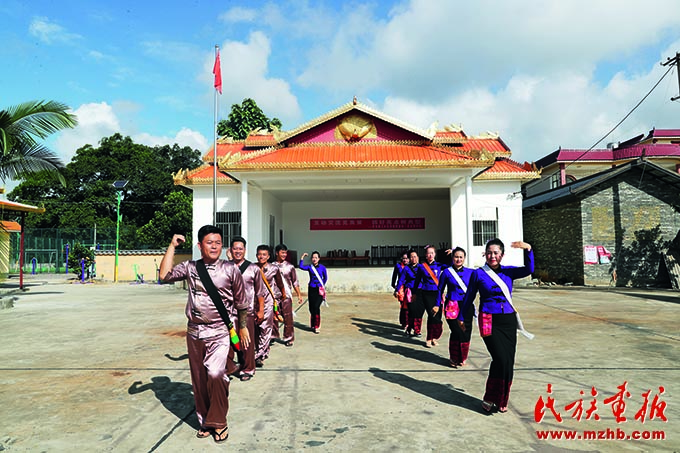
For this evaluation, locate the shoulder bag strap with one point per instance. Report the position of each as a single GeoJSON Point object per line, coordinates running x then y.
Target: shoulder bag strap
{"type": "Point", "coordinates": [271, 292]}
{"type": "Point", "coordinates": [244, 265]}
{"type": "Point", "coordinates": [213, 293]}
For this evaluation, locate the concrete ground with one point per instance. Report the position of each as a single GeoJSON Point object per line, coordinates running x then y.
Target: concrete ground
{"type": "Point", "coordinates": [102, 367]}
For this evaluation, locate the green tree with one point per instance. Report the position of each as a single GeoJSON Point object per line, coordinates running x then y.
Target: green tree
{"type": "Point", "coordinates": [80, 252]}
{"type": "Point", "coordinates": [21, 129]}
{"type": "Point", "coordinates": [243, 119]}
{"type": "Point", "coordinates": [174, 217]}
{"type": "Point", "coordinates": [88, 197]}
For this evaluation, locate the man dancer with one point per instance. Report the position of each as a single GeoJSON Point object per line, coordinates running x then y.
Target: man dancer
{"type": "Point", "coordinates": [271, 277]}
{"type": "Point", "coordinates": [427, 279]}
{"type": "Point", "coordinates": [286, 309]}
{"type": "Point", "coordinates": [255, 289]}
{"type": "Point", "coordinates": [208, 342]}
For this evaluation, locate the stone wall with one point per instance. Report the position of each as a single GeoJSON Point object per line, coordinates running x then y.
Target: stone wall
{"type": "Point", "coordinates": [555, 235]}
{"type": "Point", "coordinates": [633, 224]}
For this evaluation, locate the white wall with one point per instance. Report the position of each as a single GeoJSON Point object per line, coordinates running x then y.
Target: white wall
{"type": "Point", "coordinates": [499, 194]}
{"type": "Point", "coordinates": [271, 206]}
{"type": "Point", "coordinates": [297, 235]}
{"type": "Point", "coordinates": [228, 199]}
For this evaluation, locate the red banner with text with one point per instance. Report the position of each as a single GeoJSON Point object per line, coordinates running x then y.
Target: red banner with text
{"type": "Point", "coordinates": [392, 223]}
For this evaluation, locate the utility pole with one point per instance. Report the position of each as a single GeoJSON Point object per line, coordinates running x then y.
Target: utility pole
{"type": "Point", "coordinates": [676, 62]}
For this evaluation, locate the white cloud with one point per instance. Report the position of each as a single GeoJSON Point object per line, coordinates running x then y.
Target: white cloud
{"type": "Point", "coordinates": [245, 74]}
{"type": "Point", "coordinates": [99, 120]}
{"type": "Point", "coordinates": [51, 33]}
{"type": "Point", "coordinates": [426, 47]}
{"type": "Point", "coordinates": [536, 115]}
{"type": "Point", "coordinates": [238, 14]}
{"type": "Point", "coordinates": [185, 137]}
{"type": "Point", "coordinates": [95, 120]}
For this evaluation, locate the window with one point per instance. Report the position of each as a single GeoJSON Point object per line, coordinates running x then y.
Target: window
{"type": "Point", "coordinates": [554, 180]}
{"type": "Point", "coordinates": [230, 224]}
{"type": "Point", "coordinates": [483, 231]}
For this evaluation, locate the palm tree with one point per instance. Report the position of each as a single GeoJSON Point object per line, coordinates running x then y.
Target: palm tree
{"type": "Point", "coordinates": [21, 127]}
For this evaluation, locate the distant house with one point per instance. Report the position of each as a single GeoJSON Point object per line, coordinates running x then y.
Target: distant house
{"type": "Point", "coordinates": [617, 226]}
{"type": "Point", "coordinates": [660, 146]}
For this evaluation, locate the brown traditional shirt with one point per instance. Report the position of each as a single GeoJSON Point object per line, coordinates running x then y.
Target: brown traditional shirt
{"type": "Point", "coordinates": [204, 319]}
{"type": "Point", "coordinates": [289, 277]}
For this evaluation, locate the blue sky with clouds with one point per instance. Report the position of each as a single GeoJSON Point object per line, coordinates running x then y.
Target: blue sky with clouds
{"type": "Point", "coordinates": [541, 74]}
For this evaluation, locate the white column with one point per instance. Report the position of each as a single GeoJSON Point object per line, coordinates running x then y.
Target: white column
{"type": "Point", "coordinates": [244, 208]}
{"type": "Point", "coordinates": [468, 216]}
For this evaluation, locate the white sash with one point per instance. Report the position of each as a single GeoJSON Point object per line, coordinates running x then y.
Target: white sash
{"type": "Point", "coordinates": [506, 293]}
{"type": "Point", "coordinates": [320, 281]}
{"type": "Point", "coordinates": [459, 280]}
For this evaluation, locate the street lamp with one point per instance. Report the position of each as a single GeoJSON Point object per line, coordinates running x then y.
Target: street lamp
{"type": "Point", "coordinates": [119, 185]}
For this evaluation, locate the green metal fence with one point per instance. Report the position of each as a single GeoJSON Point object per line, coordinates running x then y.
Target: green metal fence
{"type": "Point", "coordinates": [45, 248]}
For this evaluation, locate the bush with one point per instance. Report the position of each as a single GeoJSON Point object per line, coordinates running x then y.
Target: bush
{"type": "Point", "coordinates": [75, 254]}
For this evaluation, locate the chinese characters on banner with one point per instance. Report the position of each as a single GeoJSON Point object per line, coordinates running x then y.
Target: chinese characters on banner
{"type": "Point", "coordinates": [596, 254]}
{"type": "Point", "coordinates": [399, 223]}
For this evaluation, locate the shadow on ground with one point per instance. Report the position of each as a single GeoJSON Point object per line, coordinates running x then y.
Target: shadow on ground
{"type": "Point", "coordinates": [176, 397]}
{"type": "Point", "coordinates": [415, 354]}
{"type": "Point", "coordinates": [384, 330]}
{"type": "Point", "coordinates": [443, 393]}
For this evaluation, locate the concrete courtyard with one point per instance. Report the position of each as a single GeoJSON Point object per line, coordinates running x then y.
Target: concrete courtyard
{"type": "Point", "coordinates": [102, 367]}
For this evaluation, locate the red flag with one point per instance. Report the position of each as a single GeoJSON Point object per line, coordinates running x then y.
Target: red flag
{"type": "Point", "coordinates": [217, 70]}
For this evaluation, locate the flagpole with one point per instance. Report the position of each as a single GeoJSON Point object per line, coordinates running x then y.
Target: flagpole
{"type": "Point", "coordinates": [217, 52]}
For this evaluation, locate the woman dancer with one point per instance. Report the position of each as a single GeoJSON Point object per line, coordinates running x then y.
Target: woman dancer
{"type": "Point", "coordinates": [406, 283]}
{"type": "Point", "coordinates": [498, 318]}
{"type": "Point", "coordinates": [427, 282]}
{"type": "Point", "coordinates": [452, 287]}
{"type": "Point", "coordinates": [316, 291]}
{"type": "Point", "coordinates": [403, 306]}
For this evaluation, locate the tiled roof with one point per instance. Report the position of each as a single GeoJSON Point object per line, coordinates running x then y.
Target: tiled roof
{"type": "Point", "coordinates": [666, 133]}
{"type": "Point", "coordinates": [356, 155]}
{"type": "Point", "coordinates": [504, 168]}
{"type": "Point", "coordinates": [201, 175]}
{"type": "Point", "coordinates": [224, 147]}
{"type": "Point", "coordinates": [449, 136]}
{"type": "Point", "coordinates": [259, 141]}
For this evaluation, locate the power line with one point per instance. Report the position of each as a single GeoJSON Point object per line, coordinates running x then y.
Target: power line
{"type": "Point", "coordinates": [624, 118]}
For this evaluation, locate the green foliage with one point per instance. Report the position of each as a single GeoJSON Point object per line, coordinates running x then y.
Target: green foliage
{"type": "Point", "coordinates": [21, 128]}
{"type": "Point", "coordinates": [88, 197]}
{"type": "Point", "coordinates": [174, 217]}
{"type": "Point", "coordinates": [243, 119]}
{"type": "Point", "coordinates": [76, 253]}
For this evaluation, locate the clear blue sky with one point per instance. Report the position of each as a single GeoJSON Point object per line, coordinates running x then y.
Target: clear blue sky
{"type": "Point", "coordinates": [541, 74]}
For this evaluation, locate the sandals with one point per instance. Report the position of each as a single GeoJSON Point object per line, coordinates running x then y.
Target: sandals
{"type": "Point", "coordinates": [245, 377]}
{"type": "Point", "coordinates": [288, 344]}
{"type": "Point", "coordinates": [203, 433]}
{"type": "Point", "coordinates": [503, 409]}
{"type": "Point", "coordinates": [221, 436]}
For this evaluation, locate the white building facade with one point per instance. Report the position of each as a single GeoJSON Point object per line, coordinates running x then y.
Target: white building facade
{"type": "Point", "coordinates": [358, 180]}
